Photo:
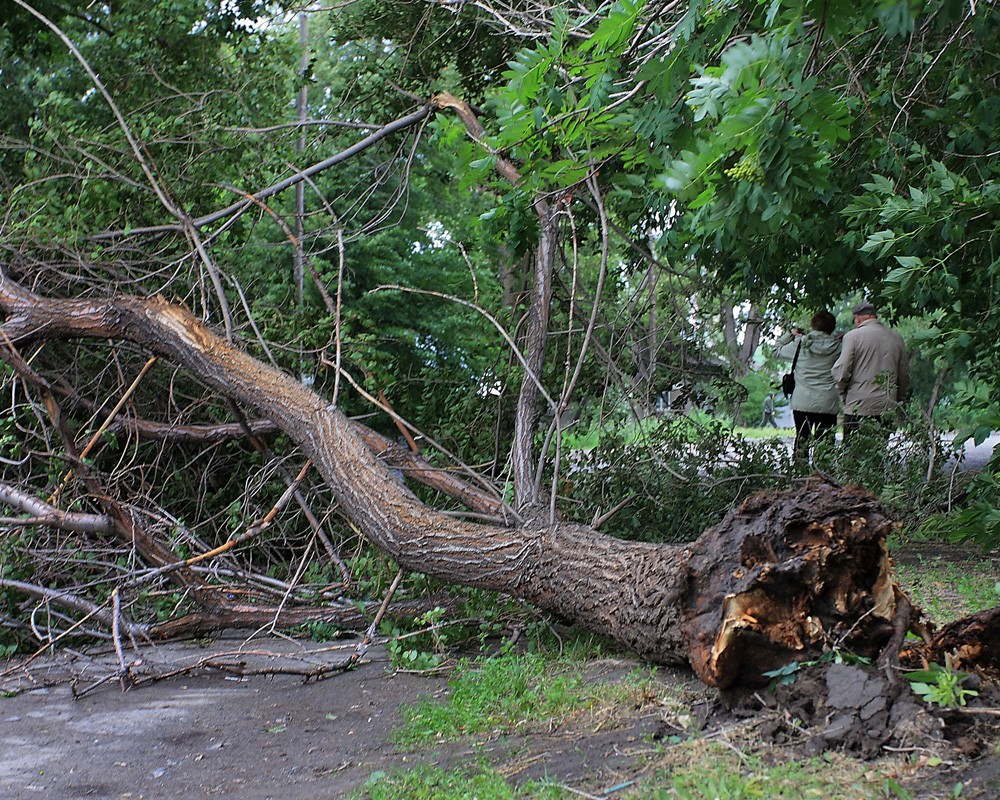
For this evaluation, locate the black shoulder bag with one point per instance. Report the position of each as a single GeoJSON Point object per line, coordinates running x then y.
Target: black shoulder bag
{"type": "Point", "coordinates": [788, 379]}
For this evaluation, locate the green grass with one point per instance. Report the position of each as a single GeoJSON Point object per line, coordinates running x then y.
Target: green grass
{"type": "Point", "coordinates": [708, 771]}
{"type": "Point", "coordinates": [947, 591]}
{"type": "Point", "coordinates": [638, 431]}
{"type": "Point", "coordinates": [765, 433]}
{"type": "Point", "coordinates": [433, 783]}
{"type": "Point", "coordinates": [718, 774]}
{"type": "Point", "coordinates": [585, 440]}
{"type": "Point", "coordinates": [507, 694]}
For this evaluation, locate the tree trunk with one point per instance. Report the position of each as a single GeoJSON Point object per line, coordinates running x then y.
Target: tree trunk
{"type": "Point", "coordinates": [527, 490]}
{"type": "Point", "coordinates": [779, 579]}
{"type": "Point", "coordinates": [741, 352]}
{"type": "Point", "coordinates": [526, 483]}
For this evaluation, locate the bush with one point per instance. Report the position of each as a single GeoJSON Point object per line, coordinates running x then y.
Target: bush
{"type": "Point", "coordinates": [904, 468]}
{"type": "Point", "coordinates": [680, 479]}
{"type": "Point", "coordinates": [683, 476]}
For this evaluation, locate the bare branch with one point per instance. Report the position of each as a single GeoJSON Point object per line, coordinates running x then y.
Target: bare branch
{"type": "Point", "coordinates": [240, 206]}
{"type": "Point", "coordinates": [70, 602]}
{"type": "Point", "coordinates": [45, 514]}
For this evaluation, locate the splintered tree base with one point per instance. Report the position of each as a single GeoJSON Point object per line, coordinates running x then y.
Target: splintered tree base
{"type": "Point", "coordinates": [786, 576]}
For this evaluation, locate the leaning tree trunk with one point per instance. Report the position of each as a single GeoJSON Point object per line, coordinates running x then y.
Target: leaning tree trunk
{"type": "Point", "coordinates": [780, 578]}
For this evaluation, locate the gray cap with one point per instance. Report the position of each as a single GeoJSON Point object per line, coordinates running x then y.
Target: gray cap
{"type": "Point", "coordinates": [864, 309]}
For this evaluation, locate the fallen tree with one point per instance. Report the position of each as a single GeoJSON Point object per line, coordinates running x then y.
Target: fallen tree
{"type": "Point", "coordinates": [782, 578]}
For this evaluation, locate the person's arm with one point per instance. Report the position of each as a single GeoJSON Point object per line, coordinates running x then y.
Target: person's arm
{"type": "Point", "coordinates": [784, 347]}
{"type": "Point", "coordinates": [903, 377]}
{"type": "Point", "coordinates": [843, 368]}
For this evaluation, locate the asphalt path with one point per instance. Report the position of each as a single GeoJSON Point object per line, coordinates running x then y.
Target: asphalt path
{"type": "Point", "coordinates": [976, 456]}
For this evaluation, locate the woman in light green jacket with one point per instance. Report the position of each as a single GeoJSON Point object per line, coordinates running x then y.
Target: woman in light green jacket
{"type": "Point", "coordinates": [816, 399]}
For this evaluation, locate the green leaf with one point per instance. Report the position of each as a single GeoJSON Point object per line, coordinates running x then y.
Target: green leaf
{"type": "Point", "coordinates": [616, 28]}
{"type": "Point", "coordinates": [703, 199]}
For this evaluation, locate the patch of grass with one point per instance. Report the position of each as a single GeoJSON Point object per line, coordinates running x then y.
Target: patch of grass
{"type": "Point", "coordinates": [711, 772]}
{"type": "Point", "coordinates": [708, 772]}
{"type": "Point", "coordinates": [433, 783]}
{"type": "Point", "coordinates": [585, 440]}
{"type": "Point", "coordinates": [947, 591]}
{"type": "Point", "coordinates": [716, 778]}
{"type": "Point", "coordinates": [510, 693]}
{"type": "Point", "coordinates": [765, 433]}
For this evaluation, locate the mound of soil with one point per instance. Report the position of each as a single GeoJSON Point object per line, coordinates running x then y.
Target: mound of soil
{"type": "Point", "coordinates": [863, 712]}
{"type": "Point", "coordinates": [857, 709]}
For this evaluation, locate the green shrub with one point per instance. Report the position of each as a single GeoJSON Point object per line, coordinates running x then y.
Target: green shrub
{"type": "Point", "coordinates": [904, 467]}
{"type": "Point", "coordinates": [680, 479]}
{"type": "Point", "coordinates": [681, 476]}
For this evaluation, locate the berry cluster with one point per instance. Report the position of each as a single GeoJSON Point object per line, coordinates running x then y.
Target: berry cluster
{"type": "Point", "coordinates": [746, 169]}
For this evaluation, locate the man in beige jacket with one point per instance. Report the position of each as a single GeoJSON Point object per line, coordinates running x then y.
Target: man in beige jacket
{"type": "Point", "coordinates": [873, 371]}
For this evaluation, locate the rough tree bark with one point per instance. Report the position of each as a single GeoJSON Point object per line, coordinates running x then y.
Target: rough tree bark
{"type": "Point", "coordinates": [780, 578]}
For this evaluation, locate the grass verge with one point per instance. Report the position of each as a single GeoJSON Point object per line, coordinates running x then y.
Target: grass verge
{"type": "Point", "coordinates": [512, 694]}
{"type": "Point", "coordinates": [696, 770]}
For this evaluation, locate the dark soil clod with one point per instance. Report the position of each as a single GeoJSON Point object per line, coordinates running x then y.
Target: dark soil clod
{"type": "Point", "coordinates": [852, 708]}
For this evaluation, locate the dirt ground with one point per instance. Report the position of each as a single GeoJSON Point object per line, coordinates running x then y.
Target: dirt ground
{"type": "Point", "coordinates": [209, 734]}
{"type": "Point", "coordinates": [67, 731]}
